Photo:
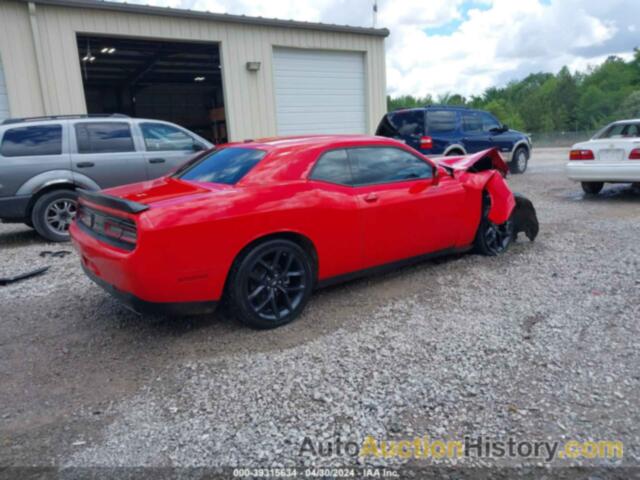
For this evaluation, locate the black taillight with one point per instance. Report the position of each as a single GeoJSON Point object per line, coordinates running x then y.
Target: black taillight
{"type": "Point", "coordinates": [117, 231]}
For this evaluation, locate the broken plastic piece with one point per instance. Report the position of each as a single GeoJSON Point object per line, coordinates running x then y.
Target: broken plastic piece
{"type": "Point", "coordinates": [57, 254]}
{"type": "Point", "coordinates": [23, 276]}
{"type": "Point", "coordinates": [524, 218]}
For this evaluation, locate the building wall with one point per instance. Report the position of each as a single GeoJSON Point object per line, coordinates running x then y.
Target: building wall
{"type": "Point", "coordinates": [48, 38]}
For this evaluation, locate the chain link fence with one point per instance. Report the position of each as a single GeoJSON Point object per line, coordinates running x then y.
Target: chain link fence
{"type": "Point", "coordinates": [559, 139]}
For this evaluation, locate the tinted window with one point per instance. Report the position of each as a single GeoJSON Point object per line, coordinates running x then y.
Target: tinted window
{"type": "Point", "coordinates": [25, 141]}
{"type": "Point", "coordinates": [471, 122]}
{"type": "Point", "coordinates": [228, 165]}
{"type": "Point", "coordinates": [489, 122]}
{"type": "Point", "coordinates": [104, 137]}
{"type": "Point", "coordinates": [409, 122]}
{"type": "Point", "coordinates": [622, 130]}
{"type": "Point", "coordinates": [383, 165]}
{"type": "Point", "coordinates": [333, 167]}
{"type": "Point", "coordinates": [441, 121]}
{"type": "Point", "coordinates": [160, 137]}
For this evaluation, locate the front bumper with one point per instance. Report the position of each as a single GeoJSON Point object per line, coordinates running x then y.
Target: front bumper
{"type": "Point", "coordinates": [592, 171]}
{"type": "Point", "coordinates": [138, 305]}
{"type": "Point", "coordinates": [14, 208]}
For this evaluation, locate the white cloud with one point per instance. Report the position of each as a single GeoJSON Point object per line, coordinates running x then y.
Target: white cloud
{"type": "Point", "coordinates": [492, 42]}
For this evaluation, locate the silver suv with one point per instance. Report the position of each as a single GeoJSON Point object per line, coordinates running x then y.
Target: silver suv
{"type": "Point", "coordinates": [43, 160]}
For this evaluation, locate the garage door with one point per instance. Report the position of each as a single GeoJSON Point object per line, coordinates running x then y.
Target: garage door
{"type": "Point", "coordinates": [4, 98]}
{"type": "Point", "coordinates": [319, 91]}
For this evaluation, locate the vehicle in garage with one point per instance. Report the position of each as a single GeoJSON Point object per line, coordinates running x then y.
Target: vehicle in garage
{"type": "Point", "coordinates": [611, 156]}
{"type": "Point", "coordinates": [451, 130]}
{"type": "Point", "coordinates": [265, 222]}
{"type": "Point", "coordinates": [44, 160]}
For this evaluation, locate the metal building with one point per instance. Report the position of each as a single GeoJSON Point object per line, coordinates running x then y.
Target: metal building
{"type": "Point", "coordinates": [223, 76]}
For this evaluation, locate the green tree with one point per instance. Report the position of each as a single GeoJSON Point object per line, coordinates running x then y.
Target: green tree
{"type": "Point", "coordinates": [544, 102]}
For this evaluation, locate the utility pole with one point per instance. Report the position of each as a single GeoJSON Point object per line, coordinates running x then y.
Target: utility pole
{"type": "Point", "coordinates": [375, 13]}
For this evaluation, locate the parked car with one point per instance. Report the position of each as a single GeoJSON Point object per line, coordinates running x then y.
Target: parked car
{"type": "Point", "coordinates": [43, 161]}
{"type": "Point", "coordinates": [448, 130]}
{"type": "Point", "coordinates": [266, 222]}
{"type": "Point", "coordinates": [611, 156]}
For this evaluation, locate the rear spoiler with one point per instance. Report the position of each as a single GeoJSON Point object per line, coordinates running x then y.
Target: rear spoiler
{"type": "Point", "coordinates": [110, 201]}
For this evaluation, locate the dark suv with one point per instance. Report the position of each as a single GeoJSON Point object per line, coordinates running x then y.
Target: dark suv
{"type": "Point", "coordinates": [447, 130]}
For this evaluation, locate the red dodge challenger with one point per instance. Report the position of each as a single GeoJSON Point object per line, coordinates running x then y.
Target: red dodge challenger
{"type": "Point", "coordinates": [263, 223]}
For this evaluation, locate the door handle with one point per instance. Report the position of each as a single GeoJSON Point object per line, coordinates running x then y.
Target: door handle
{"type": "Point", "coordinates": [157, 160]}
{"type": "Point", "coordinates": [371, 197]}
{"type": "Point", "coordinates": [85, 164]}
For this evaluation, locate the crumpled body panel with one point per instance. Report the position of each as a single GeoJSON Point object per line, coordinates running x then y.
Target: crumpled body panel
{"type": "Point", "coordinates": [485, 171]}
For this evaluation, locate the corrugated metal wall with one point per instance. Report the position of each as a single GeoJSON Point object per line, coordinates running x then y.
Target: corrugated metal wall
{"type": "Point", "coordinates": [249, 96]}
{"type": "Point", "coordinates": [4, 98]}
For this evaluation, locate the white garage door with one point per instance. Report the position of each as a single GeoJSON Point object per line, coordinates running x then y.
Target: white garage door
{"type": "Point", "coordinates": [4, 98]}
{"type": "Point", "coordinates": [319, 91]}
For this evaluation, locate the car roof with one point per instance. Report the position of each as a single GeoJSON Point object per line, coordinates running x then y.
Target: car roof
{"type": "Point", "coordinates": [310, 141]}
{"type": "Point", "coordinates": [631, 120]}
{"type": "Point", "coordinates": [438, 107]}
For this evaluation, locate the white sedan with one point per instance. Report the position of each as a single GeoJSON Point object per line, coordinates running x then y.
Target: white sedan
{"type": "Point", "coordinates": [611, 156]}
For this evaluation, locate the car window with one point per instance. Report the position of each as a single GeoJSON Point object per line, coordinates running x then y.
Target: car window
{"type": "Point", "coordinates": [333, 167]}
{"type": "Point", "coordinates": [227, 165]}
{"type": "Point", "coordinates": [104, 137]}
{"type": "Point", "coordinates": [403, 123]}
{"type": "Point", "coordinates": [471, 122]}
{"type": "Point", "coordinates": [385, 165]}
{"type": "Point", "coordinates": [441, 121]}
{"type": "Point", "coordinates": [27, 141]}
{"type": "Point", "coordinates": [159, 137]}
{"type": "Point", "coordinates": [622, 130]}
{"type": "Point", "coordinates": [489, 122]}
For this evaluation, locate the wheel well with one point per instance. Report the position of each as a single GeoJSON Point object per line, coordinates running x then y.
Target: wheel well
{"type": "Point", "coordinates": [304, 242]}
{"type": "Point", "coordinates": [455, 151]}
{"type": "Point", "coordinates": [523, 146]}
{"type": "Point", "coordinates": [50, 188]}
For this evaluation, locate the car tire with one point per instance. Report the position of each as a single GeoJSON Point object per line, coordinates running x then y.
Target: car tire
{"type": "Point", "coordinates": [53, 213]}
{"type": "Point", "coordinates": [492, 239]}
{"type": "Point", "coordinates": [270, 284]}
{"type": "Point", "coordinates": [520, 160]}
{"type": "Point", "coordinates": [592, 188]}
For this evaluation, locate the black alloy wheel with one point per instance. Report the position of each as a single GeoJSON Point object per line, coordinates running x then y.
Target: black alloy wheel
{"type": "Point", "coordinates": [271, 284]}
{"type": "Point", "coordinates": [496, 238]}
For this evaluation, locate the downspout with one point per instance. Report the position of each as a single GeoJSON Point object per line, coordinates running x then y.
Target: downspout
{"type": "Point", "coordinates": [35, 36]}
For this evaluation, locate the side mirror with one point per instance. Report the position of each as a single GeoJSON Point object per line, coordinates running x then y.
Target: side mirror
{"type": "Point", "coordinates": [197, 147]}
{"type": "Point", "coordinates": [505, 127]}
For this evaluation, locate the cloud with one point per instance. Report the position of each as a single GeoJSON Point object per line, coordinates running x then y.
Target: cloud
{"type": "Point", "coordinates": [465, 46]}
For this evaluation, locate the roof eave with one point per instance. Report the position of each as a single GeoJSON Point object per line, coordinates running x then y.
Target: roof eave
{"type": "Point", "coordinates": [215, 17]}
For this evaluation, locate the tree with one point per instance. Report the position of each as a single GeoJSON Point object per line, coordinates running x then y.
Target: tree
{"type": "Point", "coordinates": [544, 102]}
{"type": "Point", "coordinates": [630, 107]}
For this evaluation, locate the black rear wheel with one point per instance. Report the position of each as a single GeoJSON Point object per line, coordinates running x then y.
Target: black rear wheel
{"type": "Point", "coordinates": [270, 284]}
{"type": "Point", "coordinates": [592, 188]}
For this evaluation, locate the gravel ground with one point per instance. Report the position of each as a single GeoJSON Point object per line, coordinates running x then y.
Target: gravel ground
{"type": "Point", "coordinates": [540, 343]}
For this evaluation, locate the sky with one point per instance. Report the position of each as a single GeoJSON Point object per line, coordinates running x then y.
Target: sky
{"type": "Point", "coordinates": [465, 46]}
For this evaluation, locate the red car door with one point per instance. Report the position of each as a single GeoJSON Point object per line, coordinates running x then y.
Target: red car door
{"type": "Point", "coordinates": [405, 209]}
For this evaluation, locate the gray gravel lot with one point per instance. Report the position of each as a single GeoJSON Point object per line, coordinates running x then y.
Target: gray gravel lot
{"type": "Point", "coordinates": [541, 343]}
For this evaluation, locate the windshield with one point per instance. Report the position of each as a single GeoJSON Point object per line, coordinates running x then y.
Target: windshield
{"type": "Point", "coordinates": [227, 166]}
